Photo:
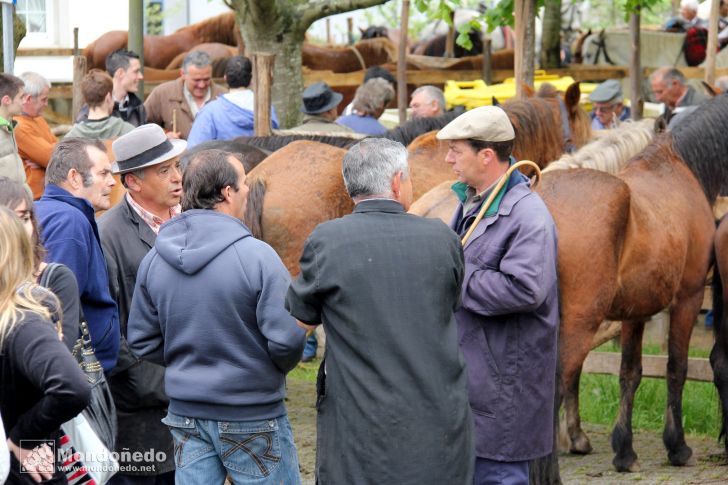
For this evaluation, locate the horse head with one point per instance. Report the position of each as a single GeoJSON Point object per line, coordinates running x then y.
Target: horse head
{"type": "Point", "coordinates": [374, 32]}
{"type": "Point", "coordinates": [578, 45]}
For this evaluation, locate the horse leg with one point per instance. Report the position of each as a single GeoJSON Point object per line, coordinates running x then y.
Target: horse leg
{"type": "Point", "coordinates": [682, 317]}
{"type": "Point", "coordinates": [719, 363]}
{"type": "Point", "coordinates": [575, 344]}
{"type": "Point", "coordinates": [630, 374]}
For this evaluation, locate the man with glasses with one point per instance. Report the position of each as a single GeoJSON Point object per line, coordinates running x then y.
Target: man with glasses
{"type": "Point", "coordinates": [174, 105]}
{"type": "Point", "coordinates": [609, 109]}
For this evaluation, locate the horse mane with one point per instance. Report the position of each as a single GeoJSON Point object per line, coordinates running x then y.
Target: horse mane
{"type": "Point", "coordinates": [378, 46]}
{"type": "Point", "coordinates": [701, 142]}
{"type": "Point", "coordinates": [411, 129]}
{"type": "Point", "coordinates": [611, 149]}
{"type": "Point", "coordinates": [539, 134]}
{"type": "Point", "coordinates": [220, 28]}
{"type": "Point", "coordinates": [276, 142]}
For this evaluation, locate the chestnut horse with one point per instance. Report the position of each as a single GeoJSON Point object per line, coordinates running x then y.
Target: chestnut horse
{"type": "Point", "coordinates": [363, 54]}
{"type": "Point", "coordinates": [629, 246]}
{"type": "Point", "coordinates": [284, 218]}
{"type": "Point", "coordinates": [719, 354]}
{"type": "Point", "coordinates": [159, 50]}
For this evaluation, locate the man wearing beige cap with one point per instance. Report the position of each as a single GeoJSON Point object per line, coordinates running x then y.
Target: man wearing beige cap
{"type": "Point", "coordinates": [509, 317]}
{"type": "Point", "coordinates": [148, 164]}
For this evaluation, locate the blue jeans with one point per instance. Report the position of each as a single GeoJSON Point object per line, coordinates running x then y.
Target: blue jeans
{"type": "Point", "coordinates": [311, 345]}
{"type": "Point", "coordinates": [491, 472]}
{"type": "Point", "coordinates": [251, 452]}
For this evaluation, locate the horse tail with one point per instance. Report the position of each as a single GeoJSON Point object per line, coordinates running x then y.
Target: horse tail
{"type": "Point", "coordinates": [254, 210]}
{"type": "Point", "coordinates": [719, 354]}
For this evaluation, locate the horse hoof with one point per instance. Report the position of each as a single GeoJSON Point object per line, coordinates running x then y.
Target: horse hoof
{"type": "Point", "coordinates": [626, 466]}
{"type": "Point", "coordinates": [581, 445]}
{"type": "Point", "coordinates": [683, 457]}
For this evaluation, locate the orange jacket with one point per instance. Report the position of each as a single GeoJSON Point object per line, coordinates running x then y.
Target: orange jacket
{"type": "Point", "coordinates": [35, 145]}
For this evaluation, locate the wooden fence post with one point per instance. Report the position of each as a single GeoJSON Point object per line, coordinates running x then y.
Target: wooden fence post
{"type": "Point", "coordinates": [79, 71]}
{"type": "Point", "coordinates": [635, 71]}
{"type": "Point", "coordinates": [487, 68]}
{"type": "Point", "coordinates": [350, 30]}
{"type": "Point", "coordinates": [328, 30]}
{"type": "Point", "coordinates": [262, 78]}
{"type": "Point", "coordinates": [712, 42]}
{"type": "Point", "coordinates": [402, 64]}
{"type": "Point", "coordinates": [450, 39]}
{"type": "Point", "coordinates": [525, 44]}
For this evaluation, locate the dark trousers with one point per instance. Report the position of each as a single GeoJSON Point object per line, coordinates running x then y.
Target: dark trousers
{"type": "Point", "coordinates": [163, 479]}
{"type": "Point", "coordinates": [491, 472]}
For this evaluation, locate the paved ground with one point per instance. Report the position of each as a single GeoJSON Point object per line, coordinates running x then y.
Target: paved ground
{"type": "Point", "coordinates": [593, 469]}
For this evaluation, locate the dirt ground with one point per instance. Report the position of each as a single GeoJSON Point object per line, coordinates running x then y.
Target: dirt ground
{"type": "Point", "coordinates": [593, 469]}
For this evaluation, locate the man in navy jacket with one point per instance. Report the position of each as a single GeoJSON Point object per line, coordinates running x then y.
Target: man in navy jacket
{"type": "Point", "coordinates": [78, 182]}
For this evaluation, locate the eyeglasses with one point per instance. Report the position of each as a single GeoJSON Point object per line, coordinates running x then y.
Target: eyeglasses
{"type": "Point", "coordinates": [604, 109]}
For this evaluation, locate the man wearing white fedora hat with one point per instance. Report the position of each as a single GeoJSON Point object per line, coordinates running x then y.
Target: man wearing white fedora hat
{"type": "Point", "coordinates": [149, 167]}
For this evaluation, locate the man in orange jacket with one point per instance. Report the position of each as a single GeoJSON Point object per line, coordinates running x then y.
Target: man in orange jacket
{"type": "Point", "coordinates": [35, 139]}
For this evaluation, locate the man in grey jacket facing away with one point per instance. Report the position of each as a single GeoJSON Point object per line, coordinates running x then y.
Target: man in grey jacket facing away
{"type": "Point", "coordinates": [208, 304]}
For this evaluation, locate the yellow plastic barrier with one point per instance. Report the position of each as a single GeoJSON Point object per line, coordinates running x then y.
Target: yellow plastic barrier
{"type": "Point", "coordinates": [472, 94]}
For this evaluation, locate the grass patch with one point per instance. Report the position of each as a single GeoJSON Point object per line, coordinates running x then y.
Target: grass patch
{"type": "Point", "coordinates": [305, 371]}
{"type": "Point", "coordinates": [651, 349]}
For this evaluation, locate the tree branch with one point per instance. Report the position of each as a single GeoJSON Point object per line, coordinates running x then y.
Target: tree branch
{"type": "Point", "coordinates": [313, 10]}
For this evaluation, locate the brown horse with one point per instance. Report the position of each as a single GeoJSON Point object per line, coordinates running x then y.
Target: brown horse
{"type": "Point", "coordinates": [719, 354]}
{"type": "Point", "coordinates": [159, 50]}
{"type": "Point", "coordinates": [284, 218]}
{"type": "Point", "coordinates": [215, 50]}
{"type": "Point", "coordinates": [363, 54]}
{"type": "Point", "coordinates": [627, 250]}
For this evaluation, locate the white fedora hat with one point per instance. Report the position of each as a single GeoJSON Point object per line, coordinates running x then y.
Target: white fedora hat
{"type": "Point", "coordinates": [144, 146]}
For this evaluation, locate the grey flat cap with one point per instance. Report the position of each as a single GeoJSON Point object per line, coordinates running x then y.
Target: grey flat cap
{"type": "Point", "coordinates": [144, 146]}
{"type": "Point", "coordinates": [486, 123]}
{"type": "Point", "coordinates": [607, 91]}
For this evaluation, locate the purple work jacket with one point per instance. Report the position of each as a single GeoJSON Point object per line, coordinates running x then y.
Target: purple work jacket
{"type": "Point", "coordinates": [508, 327]}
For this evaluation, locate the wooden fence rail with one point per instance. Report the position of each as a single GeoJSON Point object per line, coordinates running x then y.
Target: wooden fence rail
{"type": "Point", "coordinates": [652, 366]}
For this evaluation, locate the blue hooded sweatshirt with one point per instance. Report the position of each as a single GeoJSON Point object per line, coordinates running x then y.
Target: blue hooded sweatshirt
{"type": "Point", "coordinates": [209, 305]}
{"type": "Point", "coordinates": [70, 236]}
{"type": "Point", "coordinates": [223, 119]}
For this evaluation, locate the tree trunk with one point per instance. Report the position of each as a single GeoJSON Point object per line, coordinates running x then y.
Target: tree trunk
{"type": "Point", "coordinates": [278, 27]}
{"type": "Point", "coordinates": [18, 33]}
{"type": "Point", "coordinates": [635, 68]}
{"type": "Point", "coordinates": [551, 36]}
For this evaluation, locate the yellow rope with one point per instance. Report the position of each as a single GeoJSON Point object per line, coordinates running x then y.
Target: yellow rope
{"type": "Point", "coordinates": [501, 182]}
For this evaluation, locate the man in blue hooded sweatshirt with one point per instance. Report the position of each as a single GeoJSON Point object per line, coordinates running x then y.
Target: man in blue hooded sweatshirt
{"type": "Point", "coordinates": [209, 305]}
{"type": "Point", "coordinates": [232, 114]}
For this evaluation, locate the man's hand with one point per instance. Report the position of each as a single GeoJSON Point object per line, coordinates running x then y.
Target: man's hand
{"type": "Point", "coordinates": [38, 462]}
{"type": "Point", "coordinates": [173, 135]}
{"type": "Point", "coordinates": [308, 328]}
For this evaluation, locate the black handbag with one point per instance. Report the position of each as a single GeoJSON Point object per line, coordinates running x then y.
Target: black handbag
{"type": "Point", "coordinates": [100, 412]}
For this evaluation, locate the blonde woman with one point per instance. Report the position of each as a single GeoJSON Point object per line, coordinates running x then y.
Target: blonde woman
{"type": "Point", "coordinates": [41, 385]}
{"type": "Point", "coordinates": [60, 280]}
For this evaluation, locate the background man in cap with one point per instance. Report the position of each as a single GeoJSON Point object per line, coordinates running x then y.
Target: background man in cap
{"type": "Point", "coordinates": [319, 108]}
{"type": "Point", "coordinates": [509, 318]}
{"type": "Point", "coordinates": [215, 318]}
{"type": "Point", "coordinates": [609, 109]}
{"type": "Point", "coordinates": [393, 402]}
{"type": "Point", "coordinates": [232, 114]}
{"type": "Point", "coordinates": [78, 183]}
{"type": "Point", "coordinates": [149, 167]}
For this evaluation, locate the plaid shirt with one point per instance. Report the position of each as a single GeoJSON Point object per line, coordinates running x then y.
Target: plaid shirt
{"type": "Point", "coordinates": [152, 220]}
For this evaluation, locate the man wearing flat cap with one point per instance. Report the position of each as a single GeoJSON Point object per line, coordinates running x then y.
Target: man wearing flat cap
{"type": "Point", "coordinates": [509, 317]}
{"type": "Point", "coordinates": [319, 108]}
{"type": "Point", "coordinates": [148, 164]}
{"type": "Point", "coordinates": [609, 109]}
